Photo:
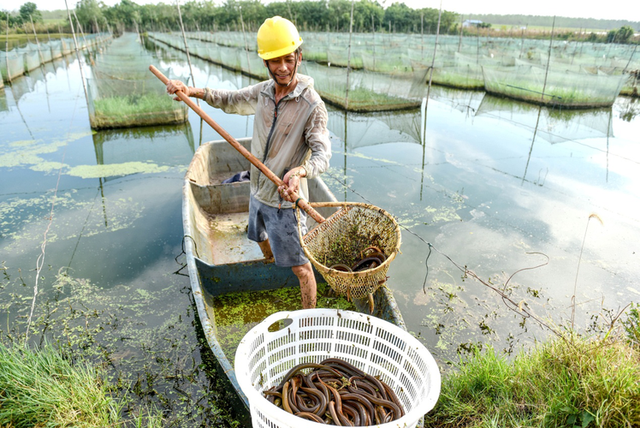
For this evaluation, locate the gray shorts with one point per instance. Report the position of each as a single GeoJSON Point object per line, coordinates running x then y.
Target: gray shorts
{"type": "Point", "coordinates": [281, 228]}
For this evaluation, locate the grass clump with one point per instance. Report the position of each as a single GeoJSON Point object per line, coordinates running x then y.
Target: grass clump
{"type": "Point", "coordinates": [575, 382]}
{"type": "Point", "coordinates": [41, 388]}
{"type": "Point", "coordinates": [136, 110]}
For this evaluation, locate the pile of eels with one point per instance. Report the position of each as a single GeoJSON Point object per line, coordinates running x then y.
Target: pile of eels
{"type": "Point", "coordinates": [335, 392]}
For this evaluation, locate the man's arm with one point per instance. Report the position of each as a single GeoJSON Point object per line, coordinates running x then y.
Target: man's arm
{"type": "Point", "coordinates": [242, 101]}
{"type": "Point", "coordinates": [317, 138]}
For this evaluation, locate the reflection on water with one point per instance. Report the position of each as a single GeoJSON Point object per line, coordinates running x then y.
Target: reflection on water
{"type": "Point", "coordinates": [375, 128]}
{"type": "Point", "coordinates": [554, 125]}
{"type": "Point", "coordinates": [628, 109]}
{"type": "Point", "coordinates": [490, 183]}
{"type": "Point", "coordinates": [161, 145]}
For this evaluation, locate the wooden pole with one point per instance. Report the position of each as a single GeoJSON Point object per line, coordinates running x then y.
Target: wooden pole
{"type": "Point", "coordinates": [244, 152]}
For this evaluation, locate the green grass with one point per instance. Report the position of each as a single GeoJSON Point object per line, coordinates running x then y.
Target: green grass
{"type": "Point", "coordinates": [567, 97]}
{"type": "Point", "coordinates": [136, 110]}
{"type": "Point", "coordinates": [363, 100]}
{"type": "Point", "coordinates": [41, 388]}
{"type": "Point", "coordinates": [575, 382]}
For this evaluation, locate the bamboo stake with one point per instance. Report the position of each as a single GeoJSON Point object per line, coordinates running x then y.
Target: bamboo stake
{"type": "Point", "coordinates": [244, 38]}
{"type": "Point", "coordinates": [6, 50]}
{"type": "Point", "coordinates": [546, 73]}
{"type": "Point", "coordinates": [186, 46]}
{"type": "Point", "coordinates": [37, 42]}
{"type": "Point", "coordinates": [75, 42]}
{"type": "Point", "coordinates": [244, 152]}
{"type": "Point", "coordinates": [346, 102]}
{"type": "Point", "coordinates": [186, 49]}
{"type": "Point", "coordinates": [433, 60]}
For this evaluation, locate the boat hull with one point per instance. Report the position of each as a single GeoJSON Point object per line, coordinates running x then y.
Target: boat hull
{"type": "Point", "coordinates": [220, 259]}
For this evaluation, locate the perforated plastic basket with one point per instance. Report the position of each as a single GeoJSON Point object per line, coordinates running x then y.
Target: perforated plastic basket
{"type": "Point", "coordinates": [285, 339]}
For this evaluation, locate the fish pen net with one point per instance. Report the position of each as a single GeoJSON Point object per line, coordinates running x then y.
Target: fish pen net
{"type": "Point", "coordinates": [11, 64]}
{"type": "Point", "coordinates": [554, 88]}
{"type": "Point", "coordinates": [344, 239]}
{"type": "Point", "coordinates": [121, 92]}
{"type": "Point", "coordinates": [366, 91]}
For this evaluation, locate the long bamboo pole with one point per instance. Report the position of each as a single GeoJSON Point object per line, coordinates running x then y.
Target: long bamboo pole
{"type": "Point", "coordinates": [244, 152]}
{"type": "Point", "coordinates": [6, 51]}
{"type": "Point", "coordinates": [75, 42]}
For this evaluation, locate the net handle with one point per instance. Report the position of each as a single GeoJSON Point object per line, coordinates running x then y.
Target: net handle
{"type": "Point", "coordinates": [244, 152]}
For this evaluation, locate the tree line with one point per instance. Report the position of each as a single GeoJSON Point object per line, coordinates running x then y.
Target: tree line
{"type": "Point", "coordinates": [308, 15]}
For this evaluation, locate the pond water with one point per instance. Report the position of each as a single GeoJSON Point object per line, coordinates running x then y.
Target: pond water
{"type": "Point", "coordinates": [497, 188]}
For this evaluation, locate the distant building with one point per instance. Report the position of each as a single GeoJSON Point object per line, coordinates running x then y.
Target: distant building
{"type": "Point", "coordinates": [471, 23]}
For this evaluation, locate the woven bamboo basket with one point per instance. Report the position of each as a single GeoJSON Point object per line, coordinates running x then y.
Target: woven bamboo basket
{"type": "Point", "coordinates": [351, 229]}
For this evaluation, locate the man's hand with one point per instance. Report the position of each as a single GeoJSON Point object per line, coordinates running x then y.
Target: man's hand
{"type": "Point", "coordinates": [291, 184]}
{"type": "Point", "coordinates": [174, 86]}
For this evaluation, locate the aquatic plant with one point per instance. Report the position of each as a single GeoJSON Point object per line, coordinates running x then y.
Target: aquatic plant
{"type": "Point", "coordinates": [238, 312]}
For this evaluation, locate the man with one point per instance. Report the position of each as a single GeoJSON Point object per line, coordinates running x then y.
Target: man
{"type": "Point", "coordinates": [290, 137]}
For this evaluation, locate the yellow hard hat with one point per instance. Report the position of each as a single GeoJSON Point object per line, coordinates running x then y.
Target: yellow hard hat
{"type": "Point", "coordinates": [277, 37]}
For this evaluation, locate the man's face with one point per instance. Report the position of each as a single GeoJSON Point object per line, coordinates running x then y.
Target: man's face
{"type": "Point", "coordinates": [283, 68]}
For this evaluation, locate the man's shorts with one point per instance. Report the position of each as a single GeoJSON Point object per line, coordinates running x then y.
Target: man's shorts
{"type": "Point", "coordinates": [281, 228]}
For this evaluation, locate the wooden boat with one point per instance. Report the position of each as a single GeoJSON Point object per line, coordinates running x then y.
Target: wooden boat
{"type": "Point", "coordinates": [220, 258]}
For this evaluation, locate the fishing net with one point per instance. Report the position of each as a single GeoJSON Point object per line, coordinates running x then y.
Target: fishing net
{"type": "Point", "coordinates": [390, 71]}
{"type": "Point", "coordinates": [370, 129]}
{"type": "Point", "coordinates": [31, 59]}
{"type": "Point", "coordinates": [343, 238]}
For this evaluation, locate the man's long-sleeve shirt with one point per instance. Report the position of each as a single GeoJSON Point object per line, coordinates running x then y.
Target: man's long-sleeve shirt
{"type": "Point", "coordinates": [290, 134]}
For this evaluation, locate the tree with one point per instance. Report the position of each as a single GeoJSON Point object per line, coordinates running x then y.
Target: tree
{"type": "Point", "coordinates": [29, 11]}
{"type": "Point", "coordinates": [89, 14]}
{"type": "Point", "coordinates": [624, 34]}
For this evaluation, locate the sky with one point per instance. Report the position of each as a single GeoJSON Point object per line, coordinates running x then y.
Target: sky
{"type": "Point", "coordinates": [610, 9]}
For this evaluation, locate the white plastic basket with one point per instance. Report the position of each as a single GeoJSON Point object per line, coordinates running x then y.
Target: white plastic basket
{"type": "Point", "coordinates": [375, 346]}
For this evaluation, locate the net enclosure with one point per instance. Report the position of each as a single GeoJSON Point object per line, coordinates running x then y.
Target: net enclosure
{"type": "Point", "coordinates": [123, 94]}
{"type": "Point", "coordinates": [19, 61]}
{"type": "Point", "coordinates": [369, 72]}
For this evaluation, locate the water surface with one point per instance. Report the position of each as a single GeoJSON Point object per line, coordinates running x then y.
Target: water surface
{"type": "Point", "coordinates": [492, 185]}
